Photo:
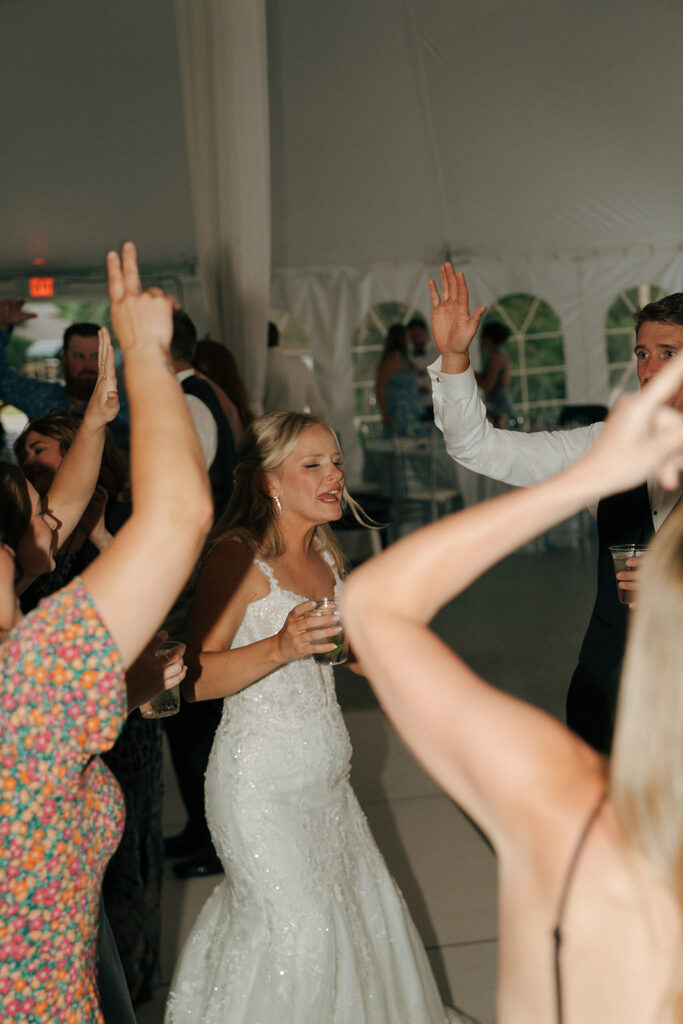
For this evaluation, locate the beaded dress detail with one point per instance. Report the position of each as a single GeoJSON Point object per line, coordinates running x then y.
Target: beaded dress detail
{"type": "Point", "coordinates": [308, 926]}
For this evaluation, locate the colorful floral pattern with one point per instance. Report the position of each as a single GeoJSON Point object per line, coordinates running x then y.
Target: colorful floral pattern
{"type": "Point", "coordinates": [62, 701]}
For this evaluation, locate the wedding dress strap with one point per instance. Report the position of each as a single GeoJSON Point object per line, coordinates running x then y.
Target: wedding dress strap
{"type": "Point", "coordinates": [267, 571]}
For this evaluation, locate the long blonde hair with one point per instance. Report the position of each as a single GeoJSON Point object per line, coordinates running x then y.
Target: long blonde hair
{"type": "Point", "coordinates": [646, 768]}
{"type": "Point", "coordinates": [251, 514]}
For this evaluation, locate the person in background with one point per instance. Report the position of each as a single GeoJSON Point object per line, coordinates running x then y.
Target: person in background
{"type": "Point", "coordinates": [521, 459]}
{"type": "Point", "coordinates": [216, 363]}
{"type": "Point", "coordinates": [64, 694]}
{"type": "Point", "coordinates": [495, 376]}
{"type": "Point", "coordinates": [79, 363]}
{"type": "Point", "coordinates": [190, 733]}
{"type": "Point", "coordinates": [398, 395]}
{"type": "Point", "coordinates": [589, 852]}
{"type": "Point", "coordinates": [290, 385]}
{"type": "Point", "coordinates": [421, 355]}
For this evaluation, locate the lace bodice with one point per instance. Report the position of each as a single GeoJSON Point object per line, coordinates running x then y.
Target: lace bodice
{"type": "Point", "coordinates": [296, 688]}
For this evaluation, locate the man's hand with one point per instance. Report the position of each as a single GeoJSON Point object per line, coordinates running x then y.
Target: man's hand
{"type": "Point", "coordinates": [140, 319]}
{"type": "Point", "coordinates": [627, 582]}
{"type": "Point", "coordinates": [452, 325]}
{"type": "Point", "coordinates": [103, 405]}
{"type": "Point", "coordinates": [12, 314]}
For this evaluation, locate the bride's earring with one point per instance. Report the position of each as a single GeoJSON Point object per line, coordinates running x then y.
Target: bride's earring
{"type": "Point", "coordinates": [278, 505]}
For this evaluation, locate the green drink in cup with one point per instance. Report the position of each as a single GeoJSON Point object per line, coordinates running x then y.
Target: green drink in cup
{"type": "Point", "coordinates": [341, 650]}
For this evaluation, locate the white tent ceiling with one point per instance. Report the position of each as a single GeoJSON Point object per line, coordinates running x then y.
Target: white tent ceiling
{"type": "Point", "coordinates": [399, 129]}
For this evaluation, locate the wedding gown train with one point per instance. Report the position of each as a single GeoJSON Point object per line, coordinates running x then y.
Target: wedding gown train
{"type": "Point", "coordinates": [308, 926]}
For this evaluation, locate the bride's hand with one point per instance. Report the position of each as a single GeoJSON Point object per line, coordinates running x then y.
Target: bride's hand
{"type": "Point", "coordinates": [304, 633]}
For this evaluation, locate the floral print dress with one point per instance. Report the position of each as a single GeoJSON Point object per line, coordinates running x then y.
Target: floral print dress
{"type": "Point", "coordinates": [62, 701]}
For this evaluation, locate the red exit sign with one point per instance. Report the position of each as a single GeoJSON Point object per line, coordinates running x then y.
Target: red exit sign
{"type": "Point", "coordinates": [41, 287]}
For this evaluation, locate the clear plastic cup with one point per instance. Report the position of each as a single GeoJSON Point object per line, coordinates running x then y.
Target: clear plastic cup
{"type": "Point", "coordinates": [167, 703]}
{"type": "Point", "coordinates": [340, 653]}
{"type": "Point", "coordinates": [620, 554]}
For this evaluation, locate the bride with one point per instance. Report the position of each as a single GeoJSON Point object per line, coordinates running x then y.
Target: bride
{"type": "Point", "coordinates": [308, 926]}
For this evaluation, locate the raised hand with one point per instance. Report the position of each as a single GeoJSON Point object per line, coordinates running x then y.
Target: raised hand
{"type": "Point", "coordinates": [304, 634]}
{"type": "Point", "coordinates": [103, 405]}
{"type": "Point", "coordinates": [642, 436]}
{"type": "Point", "coordinates": [452, 325]}
{"type": "Point", "coordinates": [143, 319]}
{"type": "Point", "coordinates": [12, 314]}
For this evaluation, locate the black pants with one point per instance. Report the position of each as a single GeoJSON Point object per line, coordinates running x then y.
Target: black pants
{"type": "Point", "coordinates": [190, 735]}
{"type": "Point", "coordinates": [591, 707]}
{"type": "Point", "coordinates": [111, 981]}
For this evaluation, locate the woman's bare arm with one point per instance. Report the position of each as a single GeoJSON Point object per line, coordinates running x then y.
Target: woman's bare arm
{"type": "Point", "coordinates": [76, 478]}
{"type": "Point", "coordinates": [135, 581]}
{"type": "Point", "coordinates": [492, 753]}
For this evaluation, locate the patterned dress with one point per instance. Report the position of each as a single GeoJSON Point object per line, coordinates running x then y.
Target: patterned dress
{"type": "Point", "coordinates": [62, 701]}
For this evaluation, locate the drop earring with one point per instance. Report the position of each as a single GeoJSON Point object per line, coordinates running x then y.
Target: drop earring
{"type": "Point", "coordinates": [278, 505]}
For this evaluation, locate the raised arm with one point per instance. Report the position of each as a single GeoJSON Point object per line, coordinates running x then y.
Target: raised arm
{"type": "Point", "coordinates": [135, 581]}
{"type": "Point", "coordinates": [75, 481]}
{"type": "Point", "coordinates": [493, 754]}
{"type": "Point", "coordinates": [510, 456]}
{"type": "Point", "coordinates": [227, 584]}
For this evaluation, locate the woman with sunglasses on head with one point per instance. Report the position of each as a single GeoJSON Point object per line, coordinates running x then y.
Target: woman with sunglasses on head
{"type": "Point", "coordinates": [63, 693]}
{"type": "Point", "coordinates": [590, 853]}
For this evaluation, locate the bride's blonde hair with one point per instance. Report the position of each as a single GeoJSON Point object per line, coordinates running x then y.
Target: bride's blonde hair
{"type": "Point", "coordinates": [251, 514]}
{"type": "Point", "coordinates": [646, 768]}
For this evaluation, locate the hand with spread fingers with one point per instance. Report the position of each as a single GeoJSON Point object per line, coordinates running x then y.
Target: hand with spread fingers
{"type": "Point", "coordinates": [12, 314]}
{"type": "Point", "coordinates": [453, 326]}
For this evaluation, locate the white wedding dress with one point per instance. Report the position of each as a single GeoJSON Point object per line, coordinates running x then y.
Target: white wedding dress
{"type": "Point", "coordinates": [308, 926]}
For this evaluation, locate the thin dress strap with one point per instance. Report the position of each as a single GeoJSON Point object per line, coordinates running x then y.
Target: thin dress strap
{"type": "Point", "coordinates": [568, 879]}
{"type": "Point", "coordinates": [330, 561]}
{"type": "Point", "coordinates": [267, 571]}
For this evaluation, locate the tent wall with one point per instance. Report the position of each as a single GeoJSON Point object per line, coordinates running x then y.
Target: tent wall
{"type": "Point", "coordinates": [332, 301]}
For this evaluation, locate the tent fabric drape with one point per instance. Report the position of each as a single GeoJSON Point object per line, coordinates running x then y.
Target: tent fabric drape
{"type": "Point", "coordinates": [223, 62]}
{"type": "Point", "coordinates": [331, 301]}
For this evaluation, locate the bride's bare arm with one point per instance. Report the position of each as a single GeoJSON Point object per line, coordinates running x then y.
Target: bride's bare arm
{"type": "Point", "coordinates": [227, 584]}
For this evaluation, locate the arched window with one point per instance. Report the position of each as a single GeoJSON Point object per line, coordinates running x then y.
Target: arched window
{"type": "Point", "coordinates": [536, 347]}
{"type": "Point", "coordinates": [620, 337]}
{"type": "Point", "coordinates": [367, 344]}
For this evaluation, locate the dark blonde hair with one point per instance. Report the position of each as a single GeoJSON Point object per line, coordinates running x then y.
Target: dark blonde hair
{"type": "Point", "coordinates": [251, 515]}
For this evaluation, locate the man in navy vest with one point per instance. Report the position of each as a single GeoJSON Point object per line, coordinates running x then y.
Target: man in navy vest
{"type": "Point", "coordinates": [190, 733]}
{"type": "Point", "coordinates": [521, 459]}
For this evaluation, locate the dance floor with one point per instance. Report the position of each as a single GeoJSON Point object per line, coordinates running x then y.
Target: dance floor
{"type": "Point", "coordinates": [521, 627]}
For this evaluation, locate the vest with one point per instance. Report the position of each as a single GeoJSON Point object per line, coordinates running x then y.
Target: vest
{"type": "Point", "coordinates": [622, 519]}
{"type": "Point", "coordinates": [222, 468]}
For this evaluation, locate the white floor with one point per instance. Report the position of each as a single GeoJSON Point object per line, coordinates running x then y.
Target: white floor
{"type": "Point", "coordinates": [520, 627]}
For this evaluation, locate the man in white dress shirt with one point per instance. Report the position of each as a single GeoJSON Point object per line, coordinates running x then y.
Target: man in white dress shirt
{"type": "Point", "coordinates": [521, 459]}
{"type": "Point", "coordinates": [290, 384]}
